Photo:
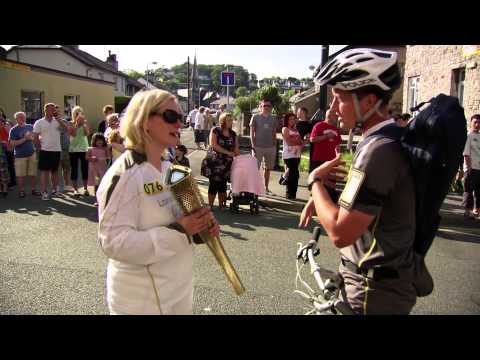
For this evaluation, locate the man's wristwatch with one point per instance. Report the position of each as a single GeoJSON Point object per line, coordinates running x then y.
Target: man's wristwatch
{"type": "Point", "coordinates": [310, 184]}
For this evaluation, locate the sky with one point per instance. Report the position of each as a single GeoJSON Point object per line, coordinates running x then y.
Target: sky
{"type": "Point", "coordinates": [262, 60]}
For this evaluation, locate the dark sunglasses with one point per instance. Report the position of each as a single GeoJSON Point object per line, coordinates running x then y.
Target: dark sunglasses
{"type": "Point", "coordinates": [267, 105]}
{"type": "Point", "coordinates": [170, 116]}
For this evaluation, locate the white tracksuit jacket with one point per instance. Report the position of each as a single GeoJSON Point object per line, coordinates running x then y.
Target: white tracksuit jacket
{"type": "Point", "coordinates": [135, 210]}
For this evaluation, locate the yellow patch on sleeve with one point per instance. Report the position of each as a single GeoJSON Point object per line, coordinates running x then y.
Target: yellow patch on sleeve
{"type": "Point", "coordinates": [354, 182]}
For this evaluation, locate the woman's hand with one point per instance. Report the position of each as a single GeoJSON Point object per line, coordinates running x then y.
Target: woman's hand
{"type": "Point", "coordinates": [198, 221]}
{"type": "Point", "coordinates": [329, 171]}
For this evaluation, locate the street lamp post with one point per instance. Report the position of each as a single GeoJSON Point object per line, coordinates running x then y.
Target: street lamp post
{"type": "Point", "coordinates": [154, 63]}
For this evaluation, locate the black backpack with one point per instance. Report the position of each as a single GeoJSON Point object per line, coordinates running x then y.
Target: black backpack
{"type": "Point", "coordinates": [434, 142]}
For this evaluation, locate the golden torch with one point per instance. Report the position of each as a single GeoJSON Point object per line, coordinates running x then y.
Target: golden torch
{"type": "Point", "coordinates": [185, 190]}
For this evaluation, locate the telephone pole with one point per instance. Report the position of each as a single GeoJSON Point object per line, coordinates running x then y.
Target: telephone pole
{"type": "Point", "coordinates": [323, 89]}
{"type": "Point", "coordinates": [188, 84]}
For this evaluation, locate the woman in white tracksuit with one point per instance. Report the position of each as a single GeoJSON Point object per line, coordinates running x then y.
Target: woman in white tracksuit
{"type": "Point", "coordinates": [141, 227]}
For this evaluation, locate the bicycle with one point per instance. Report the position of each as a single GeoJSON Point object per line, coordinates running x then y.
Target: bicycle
{"type": "Point", "coordinates": [326, 301]}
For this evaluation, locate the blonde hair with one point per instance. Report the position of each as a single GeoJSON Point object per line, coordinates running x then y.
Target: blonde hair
{"type": "Point", "coordinates": [138, 111]}
{"type": "Point", "coordinates": [114, 137]}
{"type": "Point", "coordinates": [77, 110]}
{"type": "Point", "coordinates": [111, 118]}
{"type": "Point", "coordinates": [222, 120]}
{"type": "Point", "coordinates": [47, 106]}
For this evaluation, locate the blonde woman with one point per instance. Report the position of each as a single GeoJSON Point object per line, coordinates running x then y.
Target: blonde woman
{"type": "Point", "coordinates": [224, 145]}
{"type": "Point", "coordinates": [113, 123]}
{"type": "Point", "coordinates": [141, 227]}
{"type": "Point", "coordinates": [79, 130]}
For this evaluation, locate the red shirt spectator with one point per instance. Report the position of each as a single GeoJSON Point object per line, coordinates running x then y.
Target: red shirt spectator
{"type": "Point", "coordinates": [325, 150]}
{"type": "Point", "coordinates": [3, 132]}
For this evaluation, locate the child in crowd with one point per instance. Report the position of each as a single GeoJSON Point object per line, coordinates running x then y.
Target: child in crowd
{"type": "Point", "coordinates": [471, 195]}
{"type": "Point", "coordinates": [97, 156]}
{"type": "Point", "coordinates": [4, 175]}
{"type": "Point", "coordinates": [180, 152]}
{"type": "Point", "coordinates": [116, 144]}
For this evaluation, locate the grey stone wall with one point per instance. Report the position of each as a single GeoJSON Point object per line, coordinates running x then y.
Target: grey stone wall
{"type": "Point", "coordinates": [435, 64]}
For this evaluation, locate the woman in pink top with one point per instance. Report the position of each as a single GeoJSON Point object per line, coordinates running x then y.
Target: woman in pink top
{"type": "Point", "coordinates": [97, 156]}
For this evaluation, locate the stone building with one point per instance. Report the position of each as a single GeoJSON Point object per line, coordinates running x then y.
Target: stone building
{"type": "Point", "coordinates": [448, 69]}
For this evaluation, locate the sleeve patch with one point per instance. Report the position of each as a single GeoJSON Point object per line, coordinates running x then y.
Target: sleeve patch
{"type": "Point", "coordinates": [354, 182]}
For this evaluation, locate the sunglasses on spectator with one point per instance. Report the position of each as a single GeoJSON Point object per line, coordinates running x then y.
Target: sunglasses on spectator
{"type": "Point", "coordinates": [267, 105]}
{"type": "Point", "coordinates": [170, 116]}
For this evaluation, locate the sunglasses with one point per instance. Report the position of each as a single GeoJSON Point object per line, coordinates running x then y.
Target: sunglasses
{"type": "Point", "coordinates": [170, 116]}
{"type": "Point", "coordinates": [267, 105]}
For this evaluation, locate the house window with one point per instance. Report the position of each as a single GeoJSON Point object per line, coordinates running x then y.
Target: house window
{"type": "Point", "coordinates": [70, 101]}
{"type": "Point", "coordinates": [412, 92]}
{"type": "Point", "coordinates": [32, 105]}
{"type": "Point", "coordinates": [100, 74]}
{"type": "Point", "coordinates": [115, 85]}
{"type": "Point", "coordinates": [458, 84]}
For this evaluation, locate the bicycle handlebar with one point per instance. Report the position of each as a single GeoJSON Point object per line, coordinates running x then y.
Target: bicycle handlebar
{"type": "Point", "coordinates": [328, 289]}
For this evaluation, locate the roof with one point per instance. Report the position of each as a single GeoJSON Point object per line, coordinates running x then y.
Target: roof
{"type": "Point", "coordinates": [4, 62]}
{"type": "Point", "coordinates": [146, 84]}
{"type": "Point", "coordinates": [303, 95]}
{"type": "Point", "coordinates": [132, 81]}
{"type": "Point", "coordinates": [80, 55]}
{"type": "Point", "coordinates": [223, 100]}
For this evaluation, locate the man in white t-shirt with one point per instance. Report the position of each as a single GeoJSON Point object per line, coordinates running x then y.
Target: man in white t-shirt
{"type": "Point", "coordinates": [199, 126]}
{"type": "Point", "coordinates": [46, 133]}
{"type": "Point", "coordinates": [192, 117]}
{"type": "Point", "coordinates": [471, 195]}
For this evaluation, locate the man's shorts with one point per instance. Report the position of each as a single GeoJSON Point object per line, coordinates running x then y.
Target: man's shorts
{"type": "Point", "coordinates": [49, 160]}
{"type": "Point", "coordinates": [65, 160]}
{"type": "Point", "coordinates": [268, 154]}
{"type": "Point", "coordinates": [26, 166]}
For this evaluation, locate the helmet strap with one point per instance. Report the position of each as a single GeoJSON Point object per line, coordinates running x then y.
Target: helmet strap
{"type": "Point", "coordinates": [362, 118]}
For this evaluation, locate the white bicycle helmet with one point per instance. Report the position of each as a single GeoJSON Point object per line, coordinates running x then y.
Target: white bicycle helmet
{"type": "Point", "coordinates": [356, 68]}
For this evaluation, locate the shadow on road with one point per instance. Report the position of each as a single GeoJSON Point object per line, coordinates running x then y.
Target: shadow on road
{"type": "Point", "coordinates": [245, 221]}
{"type": "Point", "coordinates": [80, 208]}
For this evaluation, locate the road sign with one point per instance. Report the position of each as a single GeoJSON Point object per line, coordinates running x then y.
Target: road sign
{"type": "Point", "coordinates": [228, 78]}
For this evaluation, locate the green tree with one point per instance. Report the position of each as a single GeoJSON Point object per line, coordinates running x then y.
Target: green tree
{"type": "Point", "coordinates": [269, 93]}
{"type": "Point", "coordinates": [244, 104]}
{"type": "Point", "coordinates": [134, 74]}
{"type": "Point", "coordinates": [241, 91]}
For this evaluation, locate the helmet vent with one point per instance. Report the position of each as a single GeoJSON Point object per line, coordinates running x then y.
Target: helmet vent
{"type": "Point", "coordinates": [352, 75]}
{"type": "Point", "coordinates": [383, 55]}
{"type": "Point", "coordinates": [364, 59]}
{"type": "Point", "coordinates": [354, 54]}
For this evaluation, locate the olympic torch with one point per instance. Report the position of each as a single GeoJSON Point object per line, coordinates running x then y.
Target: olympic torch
{"type": "Point", "coordinates": [185, 190]}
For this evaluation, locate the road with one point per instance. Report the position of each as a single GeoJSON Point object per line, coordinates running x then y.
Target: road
{"type": "Point", "coordinates": [51, 263]}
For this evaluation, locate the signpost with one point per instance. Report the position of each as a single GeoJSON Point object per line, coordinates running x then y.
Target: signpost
{"type": "Point", "coordinates": [227, 78]}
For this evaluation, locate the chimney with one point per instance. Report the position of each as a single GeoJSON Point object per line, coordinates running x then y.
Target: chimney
{"type": "Point", "coordinates": [112, 60]}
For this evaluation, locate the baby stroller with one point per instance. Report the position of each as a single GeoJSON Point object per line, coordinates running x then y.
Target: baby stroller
{"type": "Point", "coordinates": [246, 183]}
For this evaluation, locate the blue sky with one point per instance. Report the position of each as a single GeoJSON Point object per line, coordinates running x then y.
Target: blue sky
{"type": "Point", "coordinates": [263, 60]}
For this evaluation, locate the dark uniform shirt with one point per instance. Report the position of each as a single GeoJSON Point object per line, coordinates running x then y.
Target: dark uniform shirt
{"type": "Point", "coordinates": [387, 191]}
{"type": "Point", "coordinates": [304, 127]}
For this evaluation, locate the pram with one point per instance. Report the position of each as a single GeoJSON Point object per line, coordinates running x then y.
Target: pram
{"type": "Point", "coordinates": [246, 183]}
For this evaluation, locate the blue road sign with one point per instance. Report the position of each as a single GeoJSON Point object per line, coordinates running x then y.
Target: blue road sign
{"type": "Point", "coordinates": [228, 78]}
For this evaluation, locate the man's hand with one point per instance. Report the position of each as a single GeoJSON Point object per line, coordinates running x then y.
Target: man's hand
{"type": "Point", "coordinates": [307, 214]}
{"type": "Point", "coordinates": [28, 136]}
{"type": "Point", "coordinates": [329, 171]}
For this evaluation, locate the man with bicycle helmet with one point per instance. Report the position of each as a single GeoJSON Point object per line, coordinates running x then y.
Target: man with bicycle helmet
{"type": "Point", "coordinates": [373, 223]}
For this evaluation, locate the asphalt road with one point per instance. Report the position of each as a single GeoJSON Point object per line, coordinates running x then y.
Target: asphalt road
{"type": "Point", "coordinates": [51, 263]}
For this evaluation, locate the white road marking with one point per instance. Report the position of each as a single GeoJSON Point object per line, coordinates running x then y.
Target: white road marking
{"type": "Point", "coordinates": [456, 232]}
